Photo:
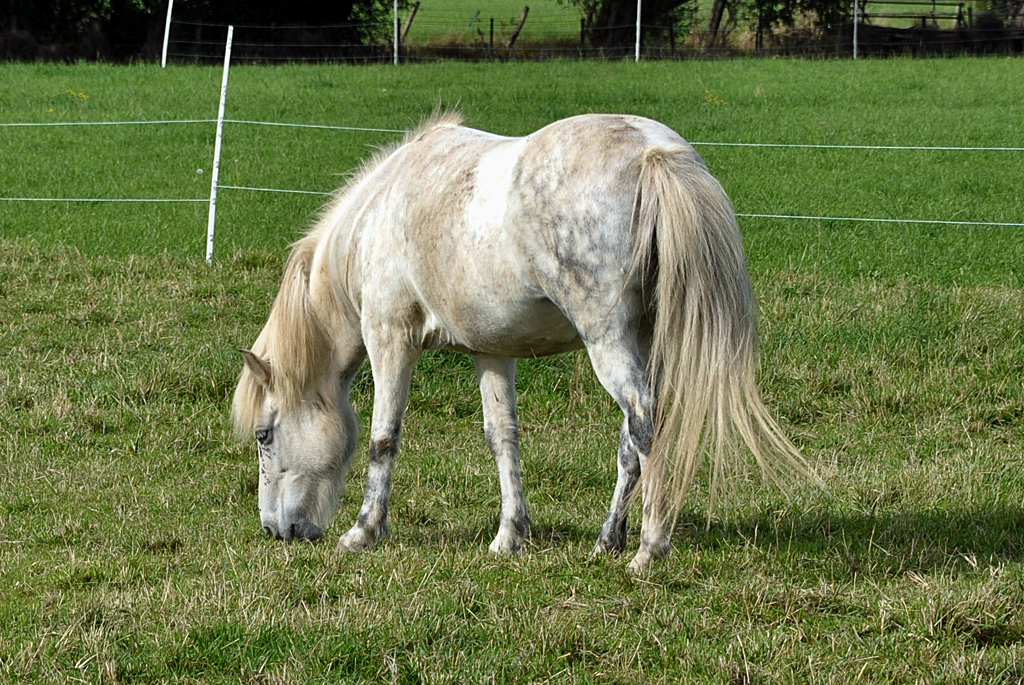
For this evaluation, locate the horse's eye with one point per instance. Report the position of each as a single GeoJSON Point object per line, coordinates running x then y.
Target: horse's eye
{"type": "Point", "coordinates": [264, 436]}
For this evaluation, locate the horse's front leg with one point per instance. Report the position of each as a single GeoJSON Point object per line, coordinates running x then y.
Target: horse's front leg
{"type": "Point", "coordinates": [497, 377]}
{"type": "Point", "coordinates": [391, 359]}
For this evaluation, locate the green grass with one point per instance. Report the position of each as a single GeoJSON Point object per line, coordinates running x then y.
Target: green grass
{"type": "Point", "coordinates": [871, 102]}
{"type": "Point", "coordinates": [130, 549]}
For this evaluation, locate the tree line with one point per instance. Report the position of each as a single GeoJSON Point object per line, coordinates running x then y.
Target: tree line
{"type": "Point", "coordinates": [122, 30]}
{"type": "Point", "coordinates": [611, 23]}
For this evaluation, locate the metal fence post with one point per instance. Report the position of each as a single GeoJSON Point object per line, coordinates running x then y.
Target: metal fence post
{"type": "Point", "coordinates": [638, 3]}
{"type": "Point", "coordinates": [856, 19]}
{"type": "Point", "coordinates": [167, 34]}
{"type": "Point", "coordinates": [216, 148]}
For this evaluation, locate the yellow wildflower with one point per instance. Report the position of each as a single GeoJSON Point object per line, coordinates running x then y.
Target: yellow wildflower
{"type": "Point", "coordinates": [713, 99]}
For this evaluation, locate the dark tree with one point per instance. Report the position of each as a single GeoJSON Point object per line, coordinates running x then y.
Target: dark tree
{"type": "Point", "coordinates": [128, 29]}
{"type": "Point", "coordinates": [612, 23]}
{"type": "Point", "coordinates": [785, 12]}
{"type": "Point", "coordinates": [266, 12]}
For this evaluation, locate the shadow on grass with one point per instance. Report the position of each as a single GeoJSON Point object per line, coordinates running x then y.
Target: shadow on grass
{"type": "Point", "coordinates": [887, 543]}
{"type": "Point", "coordinates": [542, 534]}
{"type": "Point", "coordinates": [839, 545]}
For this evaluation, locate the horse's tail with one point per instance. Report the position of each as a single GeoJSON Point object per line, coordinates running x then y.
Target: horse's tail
{"type": "Point", "coordinates": [704, 346]}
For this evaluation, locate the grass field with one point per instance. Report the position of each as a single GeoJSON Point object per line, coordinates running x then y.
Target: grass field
{"type": "Point", "coordinates": [130, 549]}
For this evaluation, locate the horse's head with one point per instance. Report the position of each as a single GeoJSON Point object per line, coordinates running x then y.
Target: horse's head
{"type": "Point", "coordinates": [305, 446]}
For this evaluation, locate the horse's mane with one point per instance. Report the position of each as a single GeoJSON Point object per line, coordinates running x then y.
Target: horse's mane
{"type": "Point", "coordinates": [296, 339]}
{"type": "Point", "coordinates": [437, 119]}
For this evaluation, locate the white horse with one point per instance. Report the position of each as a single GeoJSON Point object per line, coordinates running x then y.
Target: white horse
{"type": "Point", "coordinates": [599, 231]}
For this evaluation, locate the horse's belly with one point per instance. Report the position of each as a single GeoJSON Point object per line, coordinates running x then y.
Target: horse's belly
{"type": "Point", "coordinates": [537, 330]}
{"type": "Point", "coordinates": [537, 346]}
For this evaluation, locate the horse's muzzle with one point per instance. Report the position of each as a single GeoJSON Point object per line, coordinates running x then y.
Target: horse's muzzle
{"type": "Point", "coordinates": [299, 530]}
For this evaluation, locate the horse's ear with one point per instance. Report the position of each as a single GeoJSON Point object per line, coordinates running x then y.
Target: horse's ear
{"type": "Point", "coordinates": [259, 367]}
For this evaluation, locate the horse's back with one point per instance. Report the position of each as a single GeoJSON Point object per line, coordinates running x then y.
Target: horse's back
{"type": "Point", "coordinates": [509, 245]}
{"type": "Point", "coordinates": [574, 196]}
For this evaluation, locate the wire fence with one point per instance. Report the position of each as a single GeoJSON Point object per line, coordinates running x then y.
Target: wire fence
{"type": "Point", "coordinates": [435, 34]}
{"type": "Point", "coordinates": [221, 120]}
{"type": "Point", "coordinates": [327, 193]}
{"type": "Point", "coordinates": [430, 30]}
{"type": "Point", "coordinates": [660, 43]}
{"type": "Point", "coordinates": [697, 143]}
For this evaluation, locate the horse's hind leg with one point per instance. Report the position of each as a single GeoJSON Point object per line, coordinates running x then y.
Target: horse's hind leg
{"type": "Point", "coordinates": [612, 537]}
{"type": "Point", "coordinates": [391, 361]}
{"type": "Point", "coordinates": [620, 368]}
{"type": "Point", "coordinates": [497, 377]}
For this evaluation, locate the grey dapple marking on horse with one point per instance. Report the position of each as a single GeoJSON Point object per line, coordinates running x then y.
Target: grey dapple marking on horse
{"type": "Point", "coordinates": [600, 231]}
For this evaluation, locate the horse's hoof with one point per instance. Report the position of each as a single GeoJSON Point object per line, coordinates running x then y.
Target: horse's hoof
{"type": "Point", "coordinates": [609, 545]}
{"type": "Point", "coordinates": [647, 553]}
{"type": "Point", "coordinates": [355, 540]}
{"type": "Point", "coordinates": [506, 542]}
{"type": "Point", "coordinates": [602, 548]}
{"type": "Point", "coordinates": [640, 563]}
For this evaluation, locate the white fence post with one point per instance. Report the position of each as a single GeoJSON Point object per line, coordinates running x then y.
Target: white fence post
{"type": "Point", "coordinates": [638, 29]}
{"type": "Point", "coordinates": [216, 148]}
{"type": "Point", "coordinates": [167, 34]}
{"type": "Point", "coordinates": [856, 11]}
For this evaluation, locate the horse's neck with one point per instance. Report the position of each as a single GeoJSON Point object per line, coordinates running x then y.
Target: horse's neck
{"type": "Point", "coordinates": [339, 318]}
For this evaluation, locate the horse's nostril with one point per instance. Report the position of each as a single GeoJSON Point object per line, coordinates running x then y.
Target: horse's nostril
{"type": "Point", "coordinates": [270, 533]}
{"type": "Point", "coordinates": [306, 530]}
{"type": "Point", "coordinates": [271, 530]}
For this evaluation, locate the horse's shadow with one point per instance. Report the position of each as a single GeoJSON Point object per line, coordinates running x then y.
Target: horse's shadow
{"type": "Point", "coordinates": [542, 535]}
{"type": "Point", "coordinates": [889, 543]}
{"type": "Point", "coordinates": [841, 544]}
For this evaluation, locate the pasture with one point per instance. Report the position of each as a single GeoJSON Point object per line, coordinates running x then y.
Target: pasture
{"type": "Point", "coordinates": [130, 548]}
